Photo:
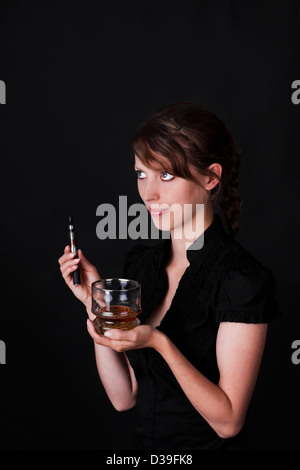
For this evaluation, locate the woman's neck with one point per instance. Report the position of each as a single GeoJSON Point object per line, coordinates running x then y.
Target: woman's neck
{"type": "Point", "coordinates": [181, 244]}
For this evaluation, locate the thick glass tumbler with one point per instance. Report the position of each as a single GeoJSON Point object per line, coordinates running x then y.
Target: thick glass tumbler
{"type": "Point", "coordinates": [116, 302]}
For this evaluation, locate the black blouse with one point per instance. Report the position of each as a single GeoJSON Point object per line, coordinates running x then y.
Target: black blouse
{"type": "Point", "coordinates": [222, 283]}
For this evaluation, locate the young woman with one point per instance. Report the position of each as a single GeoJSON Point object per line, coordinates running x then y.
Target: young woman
{"type": "Point", "coordinates": [191, 366]}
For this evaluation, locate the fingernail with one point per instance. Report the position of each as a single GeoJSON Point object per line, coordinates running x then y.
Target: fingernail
{"type": "Point", "coordinates": [108, 333]}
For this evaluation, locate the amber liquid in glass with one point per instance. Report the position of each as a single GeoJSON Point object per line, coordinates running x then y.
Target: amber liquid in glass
{"type": "Point", "coordinates": [116, 316]}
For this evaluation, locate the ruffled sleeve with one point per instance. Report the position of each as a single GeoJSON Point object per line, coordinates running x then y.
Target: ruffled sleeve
{"type": "Point", "coordinates": [247, 296]}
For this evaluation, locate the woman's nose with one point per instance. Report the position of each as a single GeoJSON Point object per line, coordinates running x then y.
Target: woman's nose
{"type": "Point", "coordinates": [149, 191]}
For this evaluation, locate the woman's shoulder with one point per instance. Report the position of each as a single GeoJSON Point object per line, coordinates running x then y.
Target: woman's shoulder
{"type": "Point", "coordinates": [238, 257]}
{"type": "Point", "coordinates": [246, 288]}
{"type": "Point", "coordinates": [223, 249]}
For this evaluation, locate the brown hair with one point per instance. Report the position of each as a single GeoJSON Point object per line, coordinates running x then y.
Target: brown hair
{"type": "Point", "coordinates": [189, 134]}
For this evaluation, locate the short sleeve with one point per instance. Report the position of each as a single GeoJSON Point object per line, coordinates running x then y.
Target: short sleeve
{"type": "Point", "coordinates": [247, 297]}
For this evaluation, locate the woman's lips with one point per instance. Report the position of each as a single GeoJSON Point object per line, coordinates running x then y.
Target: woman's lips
{"type": "Point", "coordinates": [157, 211]}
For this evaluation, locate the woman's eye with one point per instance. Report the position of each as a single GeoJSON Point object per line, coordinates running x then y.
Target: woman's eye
{"type": "Point", "coordinates": [166, 176]}
{"type": "Point", "coordinates": [140, 174]}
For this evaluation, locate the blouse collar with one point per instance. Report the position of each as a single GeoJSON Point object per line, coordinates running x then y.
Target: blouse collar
{"type": "Point", "coordinates": [211, 237]}
{"type": "Point", "coordinates": [208, 240]}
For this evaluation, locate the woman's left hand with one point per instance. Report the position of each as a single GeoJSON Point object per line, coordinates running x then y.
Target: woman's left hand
{"type": "Point", "coordinates": [141, 336]}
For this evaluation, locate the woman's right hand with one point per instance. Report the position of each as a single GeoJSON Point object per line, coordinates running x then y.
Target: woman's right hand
{"type": "Point", "coordinates": [88, 274]}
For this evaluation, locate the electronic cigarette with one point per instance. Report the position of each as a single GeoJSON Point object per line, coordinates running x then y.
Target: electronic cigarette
{"type": "Point", "coordinates": [73, 244]}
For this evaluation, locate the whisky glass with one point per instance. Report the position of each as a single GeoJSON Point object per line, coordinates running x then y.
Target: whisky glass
{"type": "Point", "coordinates": [116, 302]}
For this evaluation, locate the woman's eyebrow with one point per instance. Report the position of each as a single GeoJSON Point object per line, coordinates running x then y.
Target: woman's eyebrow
{"type": "Point", "coordinates": [159, 169]}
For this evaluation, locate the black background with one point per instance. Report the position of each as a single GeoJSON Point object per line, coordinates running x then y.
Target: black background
{"type": "Point", "coordinates": [80, 76]}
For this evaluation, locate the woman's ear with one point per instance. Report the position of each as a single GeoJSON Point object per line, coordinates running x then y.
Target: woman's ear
{"type": "Point", "coordinates": [212, 181]}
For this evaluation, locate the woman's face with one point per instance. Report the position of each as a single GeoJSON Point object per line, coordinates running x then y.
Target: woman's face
{"type": "Point", "coordinates": [173, 202]}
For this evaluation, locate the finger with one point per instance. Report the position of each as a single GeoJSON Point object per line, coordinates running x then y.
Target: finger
{"type": "Point", "coordinates": [67, 264]}
{"type": "Point", "coordinates": [99, 339]}
{"type": "Point", "coordinates": [120, 335]}
{"type": "Point", "coordinates": [68, 268]}
{"type": "Point", "coordinates": [113, 334]}
{"type": "Point", "coordinates": [65, 257]}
